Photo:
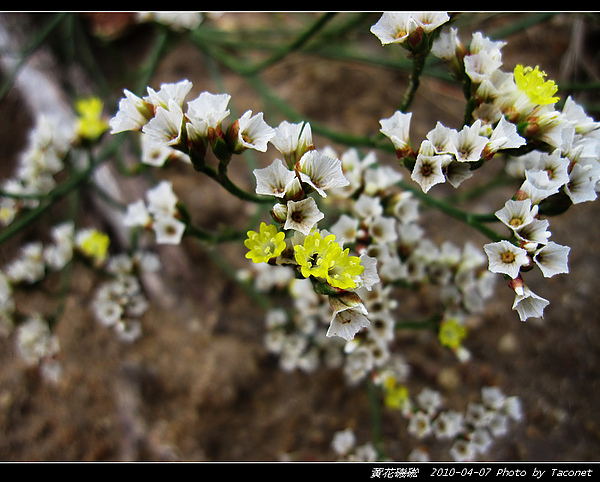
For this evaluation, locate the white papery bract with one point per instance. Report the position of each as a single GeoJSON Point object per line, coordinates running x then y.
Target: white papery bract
{"type": "Point", "coordinates": [133, 114]}
{"type": "Point", "coordinates": [292, 140]}
{"type": "Point", "coordinates": [166, 126]}
{"type": "Point", "coordinates": [397, 128]}
{"type": "Point", "coordinates": [302, 215]}
{"type": "Point", "coordinates": [169, 92]}
{"type": "Point", "coordinates": [528, 304]}
{"type": "Point", "coordinates": [254, 132]}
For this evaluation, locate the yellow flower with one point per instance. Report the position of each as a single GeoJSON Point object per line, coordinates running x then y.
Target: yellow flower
{"type": "Point", "coordinates": [395, 395]}
{"type": "Point", "coordinates": [342, 269]}
{"type": "Point", "coordinates": [531, 81]}
{"type": "Point", "coordinates": [266, 244]}
{"type": "Point", "coordinates": [311, 255]}
{"type": "Point", "coordinates": [90, 123]}
{"type": "Point", "coordinates": [452, 333]}
{"type": "Point", "coordinates": [95, 244]}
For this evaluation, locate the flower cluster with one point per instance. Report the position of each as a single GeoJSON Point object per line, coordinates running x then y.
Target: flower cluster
{"type": "Point", "coordinates": [471, 433]}
{"type": "Point", "coordinates": [345, 446]}
{"type": "Point", "coordinates": [512, 113]}
{"type": "Point", "coordinates": [160, 214]}
{"type": "Point", "coordinates": [120, 302]}
{"type": "Point", "coordinates": [160, 116]}
{"type": "Point", "coordinates": [42, 158]}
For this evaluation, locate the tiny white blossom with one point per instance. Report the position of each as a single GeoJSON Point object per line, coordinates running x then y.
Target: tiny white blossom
{"type": "Point", "coordinates": [168, 229]}
{"type": "Point", "coordinates": [165, 127]}
{"type": "Point", "coordinates": [419, 424]}
{"type": "Point", "coordinates": [162, 200]}
{"type": "Point", "coordinates": [133, 114]}
{"type": "Point", "coordinates": [349, 316]}
{"type": "Point", "coordinates": [35, 341]}
{"type": "Point", "coordinates": [321, 172]}
{"type": "Point", "coordinates": [254, 132]}
{"type": "Point", "coordinates": [552, 259]}
{"type": "Point", "coordinates": [302, 215]}
{"type": "Point", "coordinates": [169, 92]}
{"type": "Point", "coordinates": [517, 214]}
{"type": "Point", "coordinates": [529, 305]}
{"type": "Point", "coordinates": [343, 441]}
{"type": "Point", "coordinates": [448, 424]}
{"type": "Point", "coordinates": [428, 170]}
{"type": "Point", "coordinates": [273, 179]}
{"type": "Point", "coordinates": [206, 112]}
{"type": "Point", "coordinates": [137, 215]}
{"type": "Point", "coordinates": [469, 143]}
{"type": "Point", "coordinates": [397, 128]}
{"type": "Point", "coordinates": [292, 140]}
{"type": "Point", "coordinates": [582, 183]}
{"type": "Point", "coordinates": [504, 257]}
{"type": "Point", "coordinates": [345, 229]}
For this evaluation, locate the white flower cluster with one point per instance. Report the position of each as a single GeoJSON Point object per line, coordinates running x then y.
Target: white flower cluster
{"type": "Point", "coordinates": [42, 158]}
{"type": "Point", "coordinates": [472, 433]}
{"type": "Point", "coordinates": [558, 153]}
{"type": "Point", "coordinates": [345, 446]}
{"type": "Point", "coordinates": [160, 214]}
{"type": "Point", "coordinates": [161, 117]}
{"type": "Point", "coordinates": [120, 302]}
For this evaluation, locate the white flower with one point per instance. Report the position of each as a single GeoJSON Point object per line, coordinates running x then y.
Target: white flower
{"type": "Point", "coordinates": [505, 136]}
{"type": "Point", "coordinates": [137, 215]}
{"type": "Point", "coordinates": [349, 316]}
{"type": "Point", "coordinates": [132, 115]}
{"type": "Point", "coordinates": [343, 441]}
{"type": "Point", "coordinates": [534, 232]}
{"type": "Point", "coordinates": [254, 132]}
{"type": "Point", "coordinates": [447, 45]}
{"type": "Point", "coordinates": [582, 183]}
{"type": "Point", "coordinates": [206, 112]}
{"type": "Point", "coordinates": [302, 215]}
{"type": "Point", "coordinates": [292, 140]}
{"type": "Point", "coordinates": [517, 214]}
{"type": "Point", "coordinates": [383, 229]}
{"type": "Point", "coordinates": [321, 172]}
{"type": "Point", "coordinates": [428, 170]}
{"type": "Point", "coordinates": [397, 128]}
{"type": "Point", "coordinates": [168, 230]}
{"type": "Point", "coordinates": [492, 397]}
{"type": "Point", "coordinates": [29, 267]}
{"type": "Point", "coordinates": [162, 200]}
{"type": "Point", "coordinates": [469, 143]}
{"type": "Point", "coordinates": [481, 66]}
{"type": "Point", "coordinates": [369, 277]}
{"type": "Point", "coordinates": [165, 127]}
{"type": "Point", "coordinates": [395, 27]}
{"type": "Point", "coordinates": [462, 450]}
{"type": "Point", "coordinates": [368, 207]}
{"type": "Point", "coordinates": [169, 92]}
{"type": "Point", "coordinates": [552, 259]}
{"type": "Point", "coordinates": [443, 139]}
{"type": "Point", "coordinates": [529, 305]}
{"type": "Point", "coordinates": [35, 341]}
{"type": "Point", "coordinates": [345, 229]}
{"type": "Point", "coordinates": [448, 425]}
{"type": "Point", "coordinates": [429, 400]}
{"type": "Point", "coordinates": [504, 257]}
{"type": "Point", "coordinates": [379, 179]}
{"type": "Point", "coordinates": [273, 179]}
{"type": "Point", "coordinates": [419, 424]}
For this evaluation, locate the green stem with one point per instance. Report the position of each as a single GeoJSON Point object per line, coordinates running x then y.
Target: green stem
{"type": "Point", "coordinates": [413, 81]}
{"type": "Point", "coordinates": [376, 421]}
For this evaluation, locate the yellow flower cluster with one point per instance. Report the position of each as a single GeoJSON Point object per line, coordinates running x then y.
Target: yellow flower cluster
{"type": "Point", "coordinates": [452, 333]}
{"type": "Point", "coordinates": [321, 258]}
{"type": "Point", "coordinates": [324, 258]}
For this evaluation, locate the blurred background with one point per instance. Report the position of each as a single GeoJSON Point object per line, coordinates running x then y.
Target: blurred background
{"type": "Point", "coordinates": [198, 385]}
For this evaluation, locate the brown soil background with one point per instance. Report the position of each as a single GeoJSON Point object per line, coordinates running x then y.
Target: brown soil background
{"type": "Point", "coordinates": [199, 385]}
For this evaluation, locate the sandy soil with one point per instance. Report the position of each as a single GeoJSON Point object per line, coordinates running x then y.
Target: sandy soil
{"type": "Point", "coordinates": [199, 384]}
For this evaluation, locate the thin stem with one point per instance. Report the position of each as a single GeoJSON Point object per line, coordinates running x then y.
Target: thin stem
{"type": "Point", "coordinates": [376, 421]}
{"type": "Point", "coordinates": [413, 81]}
